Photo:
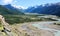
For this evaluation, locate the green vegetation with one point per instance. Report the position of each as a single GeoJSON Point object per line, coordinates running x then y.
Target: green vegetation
{"type": "Point", "coordinates": [13, 19]}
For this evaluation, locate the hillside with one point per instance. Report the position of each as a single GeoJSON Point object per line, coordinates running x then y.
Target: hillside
{"type": "Point", "coordinates": [4, 10]}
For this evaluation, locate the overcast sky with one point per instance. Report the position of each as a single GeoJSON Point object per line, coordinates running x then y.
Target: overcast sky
{"type": "Point", "coordinates": [27, 3]}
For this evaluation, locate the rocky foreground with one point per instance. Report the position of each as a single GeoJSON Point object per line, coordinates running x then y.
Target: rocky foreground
{"type": "Point", "coordinates": [27, 29]}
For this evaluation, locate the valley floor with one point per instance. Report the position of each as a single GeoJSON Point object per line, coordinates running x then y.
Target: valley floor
{"type": "Point", "coordinates": [27, 29]}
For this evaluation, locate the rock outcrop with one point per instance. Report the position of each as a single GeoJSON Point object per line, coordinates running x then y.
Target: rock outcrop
{"type": "Point", "coordinates": [5, 26]}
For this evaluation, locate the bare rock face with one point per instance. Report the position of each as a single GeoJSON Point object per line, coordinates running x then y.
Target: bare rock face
{"type": "Point", "coordinates": [3, 20]}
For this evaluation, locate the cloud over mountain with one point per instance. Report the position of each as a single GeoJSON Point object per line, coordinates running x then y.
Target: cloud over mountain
{"type": "Point", "coordinates": [7, 1]}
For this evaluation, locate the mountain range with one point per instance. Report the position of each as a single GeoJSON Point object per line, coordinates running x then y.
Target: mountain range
{"type": "Point", "coordinates": [51, 9]}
